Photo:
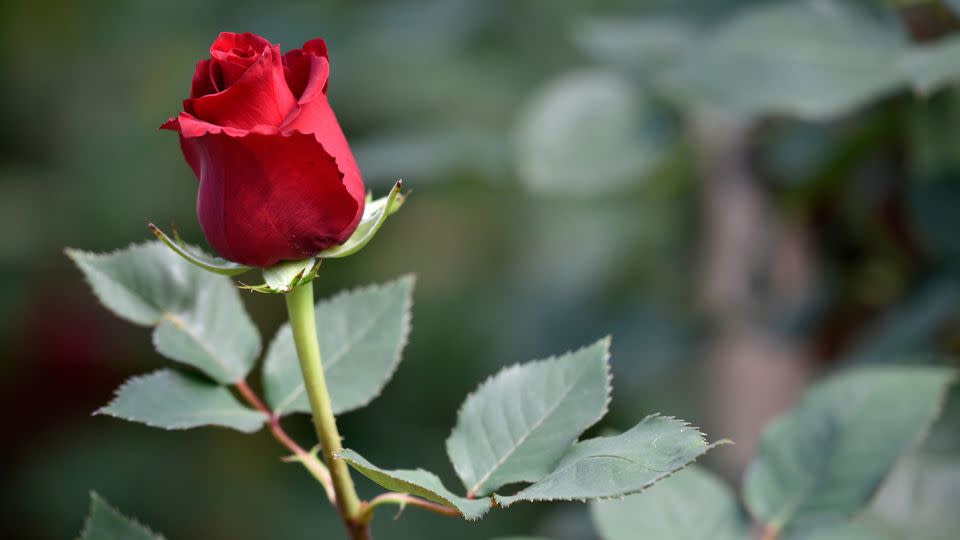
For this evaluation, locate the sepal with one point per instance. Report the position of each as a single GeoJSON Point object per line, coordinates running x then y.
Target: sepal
{"type": "Point", "coordinates": [374, 215]}
{"type": "Point", "coordinates": [207, 262]}
{"type": "Point", "coordinates": [284, 277]}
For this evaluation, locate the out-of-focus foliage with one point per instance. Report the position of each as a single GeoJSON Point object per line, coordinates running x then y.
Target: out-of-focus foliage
{"type": "Point", "coordinates": [441, 93]}
{"type": "Point", "coordinates": [654, 514]}
{"type": "Point", "coordinates": [818, 471]}
{"type": "Point", "coordinates": [822, 462]}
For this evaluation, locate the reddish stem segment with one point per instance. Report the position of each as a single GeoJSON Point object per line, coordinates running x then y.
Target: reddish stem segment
{"type": "Point", "coordinates": [404, 499]}
{"type": "Point", "coordinates": [320, 472]}
{"type": "Point", "coordinates": [310, 461]}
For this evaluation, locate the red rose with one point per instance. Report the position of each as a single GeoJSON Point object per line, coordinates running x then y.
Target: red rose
{"type": "Point", "coordinates": [277, 178]}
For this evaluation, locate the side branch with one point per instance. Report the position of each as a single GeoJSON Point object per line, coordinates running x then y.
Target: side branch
{"type": "Point", "coordinates": [404, 499]}
{"type": "Point", "coordinates": [318, 470]}
{"type": "Point", "coordinates": [307, 459]}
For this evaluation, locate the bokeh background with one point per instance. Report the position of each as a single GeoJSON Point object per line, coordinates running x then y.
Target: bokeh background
{"type": "Point", "coordinates": [747, 195]}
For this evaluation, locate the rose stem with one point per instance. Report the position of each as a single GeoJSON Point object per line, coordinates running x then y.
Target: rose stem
{"type": "Point", "coordinates": [302, 322]}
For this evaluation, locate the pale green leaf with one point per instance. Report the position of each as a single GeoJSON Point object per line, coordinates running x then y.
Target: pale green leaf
{"type": "Point", "coordinates": [361, 333]}
{"type": "Point", "coordinates": [921, 496]}
{"type": "Point", "coordinates": [619, 465]}
{"type": "Point", "coordinates": [171, 400]}
{"type": "Point", "coordinates": [517, 424]}
{"type": "Point", "coordinates": [590, 133]}
{"type": "Point", "coordinates": [806, 58]}
{"type": "Point", "coordinates": [198, 316]}
{"type": "Point", "coordinates": [824, 460]}
{"type": "Point", "coordinates": [375, 213]}
{"type": "Point", "coordinates": [417, 482]}
{"type": "Point", "coordinates": [106, 523]}
{"type": "Point", "coordinates": [692, 505]}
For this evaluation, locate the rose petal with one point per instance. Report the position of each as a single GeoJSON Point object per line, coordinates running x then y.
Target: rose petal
{"type": "Point", "coordinates": [203, 82]}
{"type": "Point", "coordinates": [307, 69]}
{"type": "Point", "coordinates": [315, 116]}
{"type": "Point", "coordinates": [259, 96]}
{"type": "Point", "coordinates": [235, 53]}
{"type": "Point", "coordinates": [266, 197]}
{"type": "Point", "coordinates": [228, 41]}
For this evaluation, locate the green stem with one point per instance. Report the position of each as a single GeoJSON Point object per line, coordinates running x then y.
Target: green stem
{"type": "Point", "coordinates": [302, 321]}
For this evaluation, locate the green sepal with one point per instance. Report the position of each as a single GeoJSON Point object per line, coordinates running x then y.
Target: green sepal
{"type": "Point", "coordinates": [207, 262]}
{"type": "Point", "coordinates": [285, 276]}
{"type": "Point", "coordinates": [374, 214]}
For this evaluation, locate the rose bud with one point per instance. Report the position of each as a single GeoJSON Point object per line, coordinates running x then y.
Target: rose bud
{"type": "Point", "coordinates": [277, 178]}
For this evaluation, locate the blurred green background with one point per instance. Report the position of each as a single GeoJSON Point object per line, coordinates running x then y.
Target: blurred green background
{"type": "Point", "coordinates": [746, 195]}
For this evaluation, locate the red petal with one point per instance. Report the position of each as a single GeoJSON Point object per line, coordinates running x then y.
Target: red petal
{"type": "Point", "coordinates": [316, 117]}
{"type": "Point", "coordinates": [259, 96]}
{"type": "Point", "coordinates": [228, 41]}
{"type": "Point", "coordinates": [307, 69]}
{"type": "Point", "coordinates": [203, 82]}
{"type": "Point", "coordinates": [268, 197]}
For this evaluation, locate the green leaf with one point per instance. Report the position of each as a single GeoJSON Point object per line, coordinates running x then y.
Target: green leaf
{"type": "Point", "coordinates": [417, 482]}
{"type": "Point", "coordinates": [375, 213]}
{"type": "Point", "coordinates": [106, 523]}
{"type": "Point", "coordinates": [810, 59]}
{"type": "Point", "coordinates": [197, 257]}
{"type": "Point", "coordinates": [361, 333]}
{"type": "Point", "coordinates": [518, 423]}
{"type": "Point", "coordinates": [824, 460]}
{"type": "Point", "coordinates": [620, 465]}
{"type": "Point", "coordinates": [590, 133]}
{"type": "Point", "coordinates": [693, 505]}
{"type": "Point", "coordinates": [198, 316]}
{"type": "Point", "coordinates": [171, 400]}
{"type": "Point", "coordinates": [921, 496]}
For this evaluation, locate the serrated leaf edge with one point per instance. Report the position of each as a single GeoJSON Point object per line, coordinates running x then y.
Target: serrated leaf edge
{"type": "Point", "coordinates": [88, 522]}
{"type": "Point", "coordinates": [606, 340]}
{"type": "Point", "coordinates": [105, 410]}
{"type": "Point", "coordinates": [706, 448]}
{"type": "Point", "coordinates": [76, 255]}
{"type": "Point", "coordinates": [172, 317]}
